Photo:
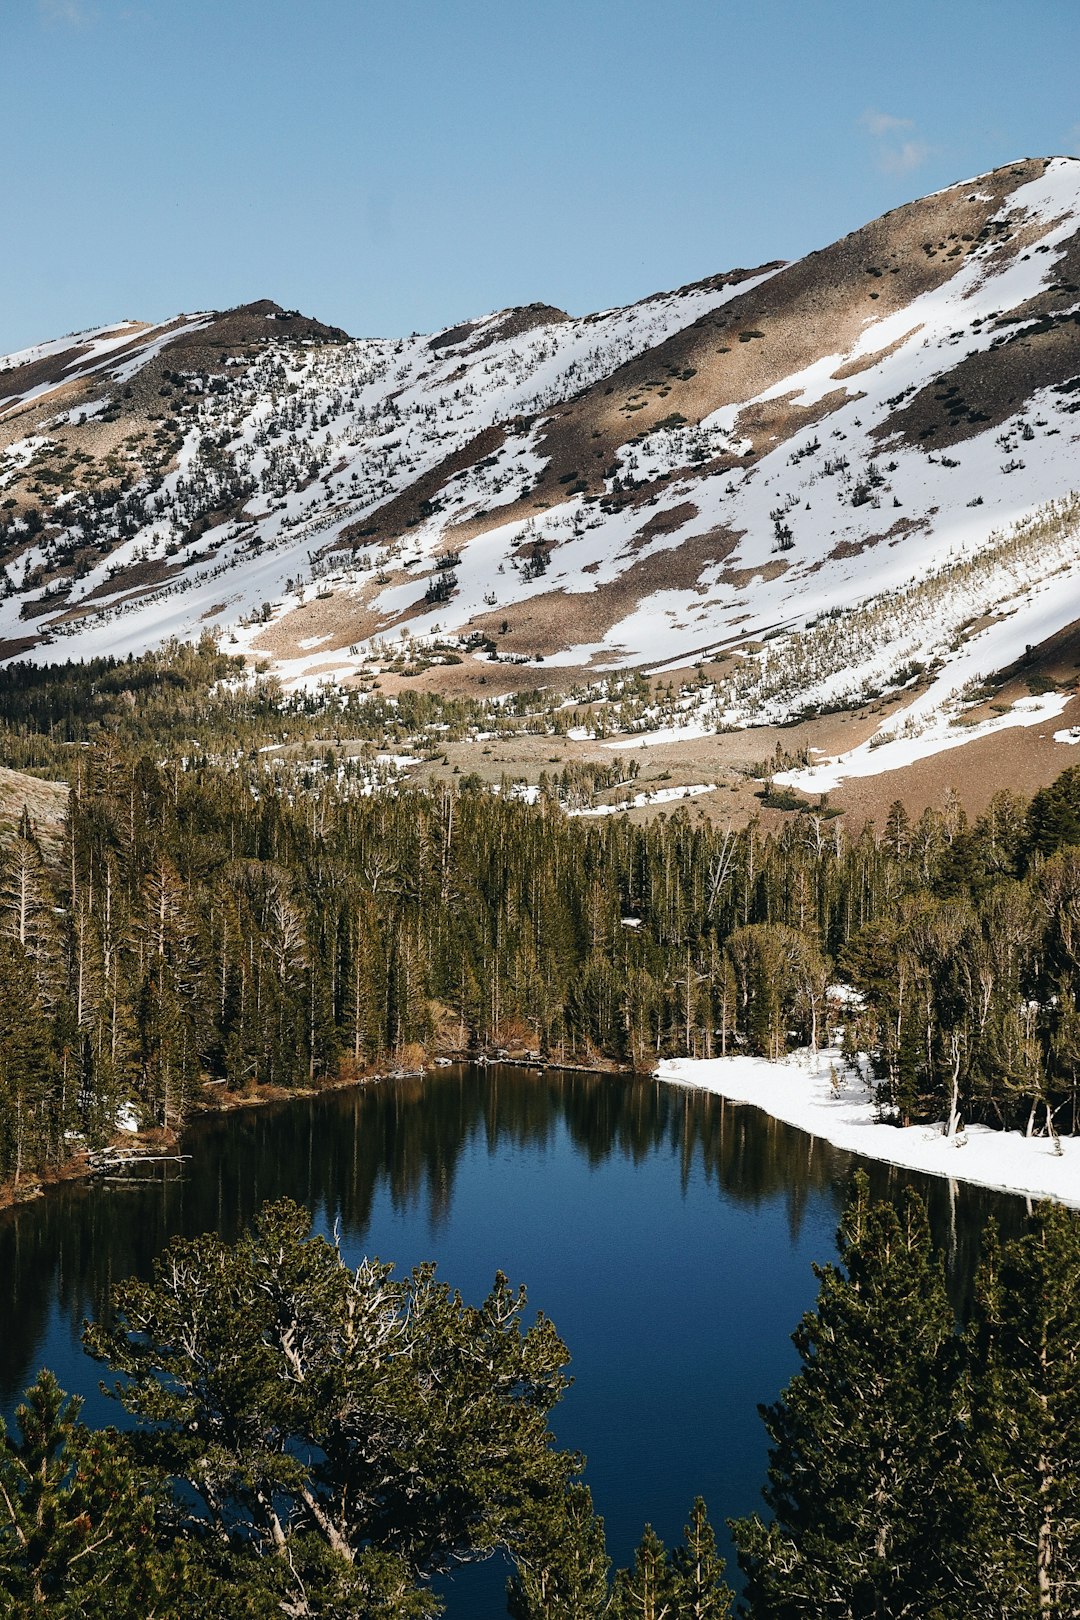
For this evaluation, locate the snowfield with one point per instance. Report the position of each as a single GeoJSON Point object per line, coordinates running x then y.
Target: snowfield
{"type": "Point", "coordinates": [800, 1091]}
{"type": "Point", "coordinates": [838, 560]}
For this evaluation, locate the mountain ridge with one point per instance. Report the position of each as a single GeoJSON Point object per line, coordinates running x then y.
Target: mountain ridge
{"type": "Point", "coordinates": [645, 487]}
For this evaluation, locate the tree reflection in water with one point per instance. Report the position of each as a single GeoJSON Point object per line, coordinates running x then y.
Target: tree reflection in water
{"type": "Point", "coordinates": [60, 1255]}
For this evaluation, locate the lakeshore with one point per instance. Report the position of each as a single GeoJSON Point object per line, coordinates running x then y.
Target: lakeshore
{"type": "Point", "coordinates": [146, 1145]}
{"type": "Point", "coordinates": [815, 1092]}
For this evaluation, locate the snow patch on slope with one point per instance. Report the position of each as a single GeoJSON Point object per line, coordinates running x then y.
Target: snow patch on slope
{"type": "Point", "coordinates": [835, 518]}
{"type": "Point", "coordinates": [940, 734]}
{"type": "Point", "coordinates": [328, 436]}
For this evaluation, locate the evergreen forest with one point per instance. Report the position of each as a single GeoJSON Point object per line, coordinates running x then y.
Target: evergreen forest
{"type": "Point", "coordinates": [204, 922]}
{"type": "Point", "coordinates": [238, 903]}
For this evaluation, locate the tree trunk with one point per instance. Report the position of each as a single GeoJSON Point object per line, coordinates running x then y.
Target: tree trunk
{"type": "Point", "coordinates": [954, 1105]}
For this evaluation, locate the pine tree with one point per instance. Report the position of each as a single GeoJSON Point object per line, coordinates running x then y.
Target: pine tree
{"type": "Point", "coordinates": [861, 1435]}
{"type": "Point", "coordinates": [561, 1572]}
{"type": "Point", "coordinates": [1022, 1557]}
{"type": "Point", "coordinates": [31, 1115]}
{"type": "Point", "coordinates": [646, 1591]}
{"type": "Point", "coordinates": [26, 910]}
{"type": "Point", "coordinates": [312, 1413]}
{"type": "Point", "coordinates": [701, 1593]}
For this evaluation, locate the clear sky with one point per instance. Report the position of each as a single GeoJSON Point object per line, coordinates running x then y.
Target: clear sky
{"type": "Point", "coordinates": [398, 166]}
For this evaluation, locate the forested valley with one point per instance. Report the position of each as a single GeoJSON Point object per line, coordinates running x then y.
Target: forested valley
{"type": "Point", "coordinates": [205, 920]}
{"type": "Point", "coordinates": [238, 902]}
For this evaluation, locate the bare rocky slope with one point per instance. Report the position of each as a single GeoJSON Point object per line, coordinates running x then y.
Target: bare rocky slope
{"type": "Point", "coordinates": [836, 481]}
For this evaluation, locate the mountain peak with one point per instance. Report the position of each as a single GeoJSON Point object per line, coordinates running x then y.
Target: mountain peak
{"type": "Point", "coordinates": [734, 460]}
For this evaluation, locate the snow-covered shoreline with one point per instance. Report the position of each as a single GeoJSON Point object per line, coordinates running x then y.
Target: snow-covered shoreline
{"type": "Point", "coordinates": [799, 1090]}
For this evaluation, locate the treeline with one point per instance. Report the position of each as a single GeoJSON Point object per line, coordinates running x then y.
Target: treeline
{"type": "Point", "coordinates": [304, 1439]}
{"type": "Point", "coordinates": [204, 924]}
{"type": "Point", "coordinates": [199, 703]}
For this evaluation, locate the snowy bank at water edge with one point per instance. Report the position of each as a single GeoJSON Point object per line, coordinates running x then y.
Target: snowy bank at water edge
{"type": "Point", "coordinates": [800, 1090]}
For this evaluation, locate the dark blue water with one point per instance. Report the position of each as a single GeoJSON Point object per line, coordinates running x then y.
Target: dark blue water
{"type": "Point", "coordinates": [668, 1234]}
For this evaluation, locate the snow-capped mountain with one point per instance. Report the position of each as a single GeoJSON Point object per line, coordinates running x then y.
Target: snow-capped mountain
{"type": "Point", "coordinates": [850, 472]}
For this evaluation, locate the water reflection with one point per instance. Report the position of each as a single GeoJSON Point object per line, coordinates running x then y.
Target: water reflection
{"type": "Point", "coordinates": [405, 1140]}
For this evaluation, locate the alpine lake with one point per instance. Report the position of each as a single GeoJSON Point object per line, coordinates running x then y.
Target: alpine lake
{"type": "Point", "coordinates": [668, 1233]}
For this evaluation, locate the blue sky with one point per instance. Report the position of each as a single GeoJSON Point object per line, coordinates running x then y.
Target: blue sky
{"type": "Point", "coordinates": [396, 167]}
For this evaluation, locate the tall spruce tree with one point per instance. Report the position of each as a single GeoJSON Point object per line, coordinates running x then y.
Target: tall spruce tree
{"type": "Point", "coordinates": [862, 1435]}
{"type": "Point", "coordinates": [1022, 1555]}
{"type": "Point", "coordinates": [701, 1592]}
{"type": "Point", "coordinates": [647, 1589]}
{"type": "Point", "coordinates": [561, 1571]}
{"type": "Point", "coordinates": [686, 1583]}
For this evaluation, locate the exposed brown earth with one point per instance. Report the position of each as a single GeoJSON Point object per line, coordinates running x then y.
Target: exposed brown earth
{"type": "Point", "coordinates": [554, 620]}
{"type": "Point", "coordinates": [1022, 759]}
{"type": "Point", "coordinates": [55, 369]}
{"type": "Point", "coordinates": [512, 323]}
{"type": "Point", "coordinates": [818, 305]}
{"type": "Point", "coordinates": [45, 803]}
{"type": "Point", "coordinates": [406, 510]}
{"type": "Point", "coordinates": [985, 389]}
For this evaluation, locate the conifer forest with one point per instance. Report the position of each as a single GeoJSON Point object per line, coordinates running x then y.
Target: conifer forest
{"type": "Point", "coordinates": [301, 1438]}
{"type": "Point", "coordinates": [205, 918]}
